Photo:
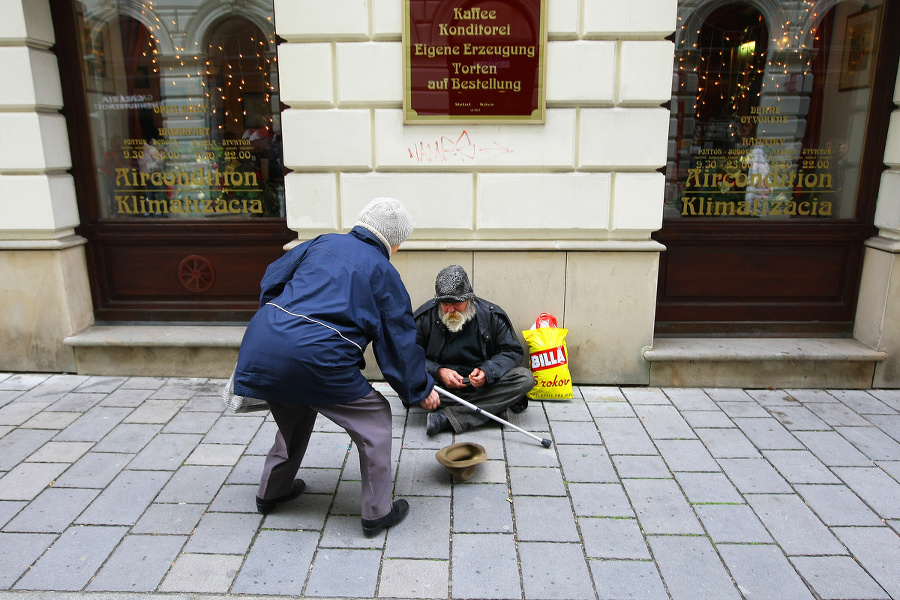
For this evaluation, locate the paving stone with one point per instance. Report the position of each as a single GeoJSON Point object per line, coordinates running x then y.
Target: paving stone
{"type": "Point", "coordinates": [60, 452]}
{"type": "Point", "coordinates": [575, 432]}
{"type": "Point", "coordinates": [890, 398]}
{"type": "Point", "coordinates": [892, 468]}
{"type": "Point", "coordinates": [421, 475]}
{"type": "Point", "coordinates": [52, 511]}
{"type": "Point", "coordinates": [732, 523]}
{"type": "Point", "coordinates": [405, 578]}
{"type": "Point", "coordinates": [836, 414]}
{"type": "Point", "coordinates": [889, 424]}
{"type": "Point", "coordinates": [754, 476]}
{"type": "Point", "coordinates": [19, 412]}
{"type": "Point", "coordinates": [165, 452]}
{"type": "Point", "coordinates": [175, 390]}
{"type": "Point", "coordinates": [204, 404]}
{"type": "Point", "coordinates": [837, 577]}
{"type": "Point", "coordinates": [586, 464]}
{"type": "Point", "coordinates": [194, 484]}
{"type": "Point", "coordinates": [325, 450]}
{"type": "Point", "coordinates": [872, 442]}
{"type": "Point", "coordinates": [728, 395]}
{"type": "Point", "coordinates": [691, 569]}
{"type": "Point", "coordinates": [571, 410]}
{"type": "Point", "coordinates": [309, 512]}
{"type": "Point", "coordinates": [17, 552]}
{"type": "Point", "coordinates": [743, 409]}
{"type": "Point", "coordinates": [763, 571]}
{"type": "Point", "coordinates": [485, 566]}
{"type": "Point", "coordinates": [832, 449]}
{"type": "Point", "coordinates": [554, 571]}
{"type": "Point", "coordinates": [727, 443]}
{"type": "Point", "coordinates": [613, 538]}
{"type": "Point", "coordinates": [768, 434]}
{"type": "Point", "coordinates": [51, 420]}
{"type": "Point", "coordinates": [707, 419]}
{"type": "Point", "coordinates": [94, 470]}
{"type": "Point", "coordinates": [491, 439]}
{"type": "Point", "coordinates": [154, 554]}
{"type": "Point", "coordinates": [490, 471]}
{"type": "Point", "coordinates": [143, 383]}
{"type": "Point", "coordinates": [482, 508]}
{"type": "Point", "coordinates": [75, 402]}
{"type": "Point", "coordinates": [811, 395]}
{"type": "Point", "coordinates": [664, 422]}
{"type": "Point", "coordinates": [874, 486]}
{"type": "Point", "coordinates": [215, 454]}
{"type": "Point", "coordinates": [193, 422]}
{"type": "Point", "coordinates": [27, 480]}
{"type": "Point", "coordinates": [690, 399]}
{"type": "Point", "coordinates": [536, 481]}
{"type": "Point", "coordinates": [19, 444]}
{"type": "Point", "coordinates": [249, 468]}
{"type": "Point", "coordinates": [702, 488]}
{"type": "Point", "coordinates": [800, 466]}
{"type": "Point", "coordinates": [270, 570]}
{"type": "Point", "coordinates": [237, 499]}
{"type": "Point", "coordinates": [798, 418]}
{"type": "Point", "coordinates": [9, 509]}
{"type": "Point", "coordinates": [793, 525]}
{"type": "Point", "coordinates": [862, 402]}
{"type": "Point", "coordinates": [223, 533]}
{"type": "Point", "coordinates": [70, 563]}
{"type": "Point", "coordinates": [344, 573]}
{"type": "Point", "coordinates": [202, 573]}
{"type": "Point", "coordinates": [524, 452]}
{"type": "Point", "coordinates": [126, 397]}
{"type": "Point", "coordinates": [627, 580]}
{"type": "Point", "coordinates": [645, 396]}
{"type": "Point", "coordinates": [346, 532]}
{"type": "Point", "coordinates": [93, 425]}
{"type": "Point", "coordinates": [125, 499]}
{"type": "Point", "coordinates": [610, 410]}
{"type": "Point", "coordinates": [240, 430]}
{"type": "Point", "coordinates": [661, 507]}
{"type": "Point", "coordinates": [346, 498]}
{"type": "Point", "coordinates": [770, 397]}
{"type": "Point", "coordinates": [837, 505]}
{"type": "Point", "coordinates": [24, 381]}
{"type": "Point", "coordinates": [687, 455]}
{"type": "Point", "coordinates": [625, 436]}
{"type": "Point", "coordinates": [540, 519]}
{"type": "Point", "coordinates": [600, 500]}
{"type": "Point", "coordinates": [170, 519]}
{"type": "Point", "coordinates": [878, 551]}
{"type": "Point", "coordinates": [127, 438]}
{"type": "Point", "coordinates": [641, 467]}
{"type": "Point", "coordinates": [601, 394]}
{"type": "Point", "coordinates": [423, 534]}
{"type": "Point", "coordinates": [101, 384]}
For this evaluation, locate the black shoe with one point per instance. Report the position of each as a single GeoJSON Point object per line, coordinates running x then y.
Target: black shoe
{"type": "Point", "coordinates": [265, 506]}
{"type": "Point", "coordinates": [520, 406]}
{"type": "Point", "coordinates": [372, 527]}
{"type": "Point", "coordinates": [436, 422]}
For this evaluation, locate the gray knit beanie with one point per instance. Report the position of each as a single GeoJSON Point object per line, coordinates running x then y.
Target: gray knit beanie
{"type": "Point", "coordinates": [387, 219]}
{"type": "Point", "coordinates": [452, 285]}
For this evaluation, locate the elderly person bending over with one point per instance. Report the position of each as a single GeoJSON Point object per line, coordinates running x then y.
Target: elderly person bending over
{"type": "Point", "coordinates": [322, 303]}
{"type": "Point", "coordinates": [472, 351]}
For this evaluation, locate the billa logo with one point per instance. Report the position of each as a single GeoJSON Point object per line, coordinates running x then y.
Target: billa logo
{"type": "Point", "coordinates": [547, 359]}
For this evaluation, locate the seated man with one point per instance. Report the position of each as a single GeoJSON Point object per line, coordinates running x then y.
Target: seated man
{"type": "Point", "coordinates": [472, 351]}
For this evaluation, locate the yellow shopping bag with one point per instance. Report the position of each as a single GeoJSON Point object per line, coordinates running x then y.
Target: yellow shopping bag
{"type": "Point", "coordinates": [549, 360]}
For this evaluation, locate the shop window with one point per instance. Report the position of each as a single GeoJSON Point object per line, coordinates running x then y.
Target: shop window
{"type": "Point", "coordinates": [769, 109]}
{"type": "Point", "coordinates": [183, 112]}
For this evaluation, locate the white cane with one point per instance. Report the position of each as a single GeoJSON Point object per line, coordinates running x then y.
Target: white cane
{"type": "Point", "coordinates": [544, 442]}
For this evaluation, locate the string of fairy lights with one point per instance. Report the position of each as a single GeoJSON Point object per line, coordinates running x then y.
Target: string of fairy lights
{"type": "Point", "coordinates": [791, 54]}
{"type": "Point", "coordinates": [233, 63]}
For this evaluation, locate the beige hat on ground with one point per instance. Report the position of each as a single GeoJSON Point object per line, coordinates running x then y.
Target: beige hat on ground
{"type": "Point", "coordinates": [462, 459]}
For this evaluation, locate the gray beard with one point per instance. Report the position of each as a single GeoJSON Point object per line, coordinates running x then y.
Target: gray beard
{"type": "Point", "coordinates": [455, 321]}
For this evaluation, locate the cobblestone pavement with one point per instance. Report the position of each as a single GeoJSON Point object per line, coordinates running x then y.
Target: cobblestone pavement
{"type": "Point", "coordinates": [113, 486]}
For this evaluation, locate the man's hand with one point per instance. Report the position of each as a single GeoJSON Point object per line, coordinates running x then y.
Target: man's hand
{"type": "Point", "coordinates": [432, 401]}
{"type": "Point", "coordinates": [477, 378]}
{"type": "Point", "coordinates": [450, 378]}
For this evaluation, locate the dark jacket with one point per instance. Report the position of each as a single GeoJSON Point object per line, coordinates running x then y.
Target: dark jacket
{"type": "Point", "coordinates": [322, 303]}
{"type": "Point", "coordinates": [500, 347]}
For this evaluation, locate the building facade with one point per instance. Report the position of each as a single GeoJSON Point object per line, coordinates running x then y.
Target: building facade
{"type": "Point", "coordinates": [712, 196]}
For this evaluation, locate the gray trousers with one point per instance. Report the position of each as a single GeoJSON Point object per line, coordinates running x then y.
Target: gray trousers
{"type": "Point", "coordinates": [493, 398]}
{"type": "Point", "coordinates": [367, 420]}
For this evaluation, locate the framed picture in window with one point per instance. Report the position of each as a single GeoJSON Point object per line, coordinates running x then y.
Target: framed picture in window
{"type": "Point", "coordinates": [858, 59]}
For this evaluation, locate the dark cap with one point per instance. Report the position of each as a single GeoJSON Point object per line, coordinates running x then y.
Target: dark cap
{"type": "Point", "coordinates": [452, 285]}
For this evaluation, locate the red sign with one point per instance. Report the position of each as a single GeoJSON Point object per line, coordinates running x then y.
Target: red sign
{"type": "Point", "coordinates": [481, 60]}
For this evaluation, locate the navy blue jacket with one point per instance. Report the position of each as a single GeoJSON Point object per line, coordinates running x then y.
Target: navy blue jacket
{"type": "Point", "coordinates": [322, 303]}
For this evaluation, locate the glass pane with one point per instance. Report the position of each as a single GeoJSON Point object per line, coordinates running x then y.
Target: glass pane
{"type": "Point", "coordinates": [184, 110]}
{"type": "Point", "coordinates": [769, 109]}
